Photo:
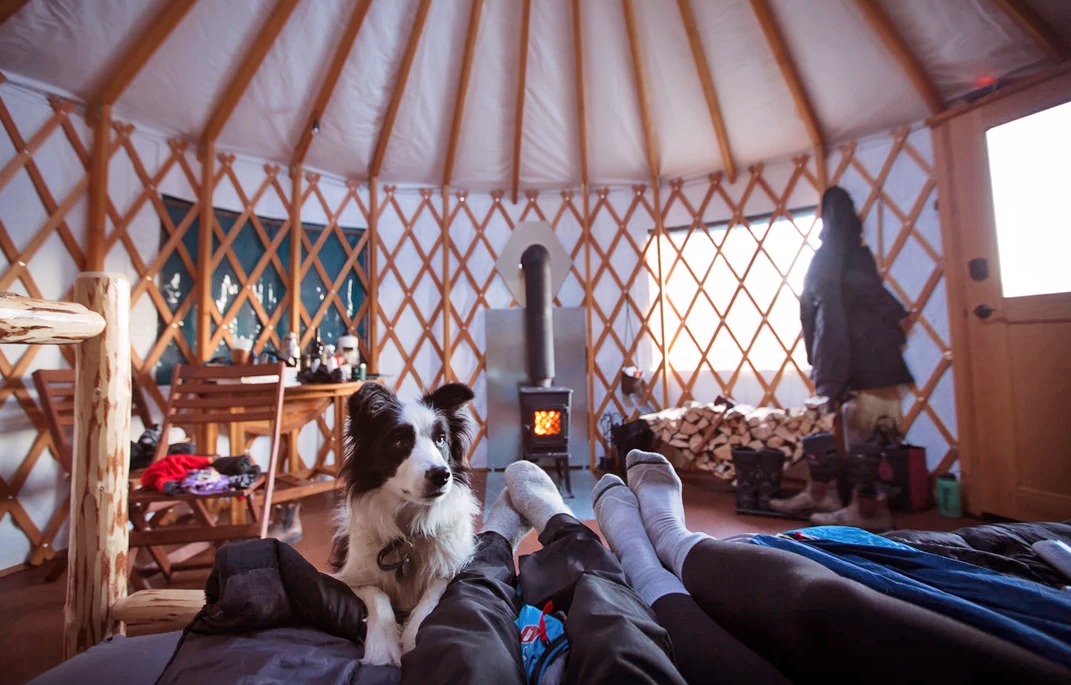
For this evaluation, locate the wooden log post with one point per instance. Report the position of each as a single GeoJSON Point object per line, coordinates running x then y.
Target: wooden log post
{"type": "Point", "coordinates": [37, 322]}
{"type": "Point", "coordinates": [97, 553]}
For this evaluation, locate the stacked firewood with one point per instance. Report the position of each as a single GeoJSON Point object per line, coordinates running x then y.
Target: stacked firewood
{"type": "Point", "coordinates": [702, 436]}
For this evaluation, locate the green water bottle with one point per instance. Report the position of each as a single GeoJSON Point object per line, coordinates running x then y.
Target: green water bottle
{"type": "Point", "coordinates": [947, 494]}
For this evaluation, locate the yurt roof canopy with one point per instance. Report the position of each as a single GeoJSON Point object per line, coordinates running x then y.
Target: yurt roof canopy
{"type": "Point", "coordinates": [520, 94]}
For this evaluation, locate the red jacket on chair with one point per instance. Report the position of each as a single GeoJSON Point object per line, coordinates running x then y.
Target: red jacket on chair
{"type": "Point", "coordinates": [172, 467]}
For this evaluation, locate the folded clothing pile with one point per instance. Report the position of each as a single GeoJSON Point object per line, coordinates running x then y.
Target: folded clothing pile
{"type": "Point", "coordinates": [181, 473]}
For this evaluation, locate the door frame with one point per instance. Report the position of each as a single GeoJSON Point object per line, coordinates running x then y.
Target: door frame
{"type": "Point", "coordinates": [955, 145]}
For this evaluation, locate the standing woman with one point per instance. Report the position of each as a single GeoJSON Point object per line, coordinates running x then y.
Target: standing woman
{"type": "Point", "coordinates": [852, 327]}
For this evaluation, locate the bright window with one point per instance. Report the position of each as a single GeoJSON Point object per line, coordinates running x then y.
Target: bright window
{"type": "Point", "coordinates": [1030, 167]}
{"type": "Point", "coordinates": [751, 278]}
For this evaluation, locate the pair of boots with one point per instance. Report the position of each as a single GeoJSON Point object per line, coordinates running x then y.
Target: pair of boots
{"type": "Point", "coordinates": [758, 477]}
{"type": "Point", "coordinates": [829, 485]}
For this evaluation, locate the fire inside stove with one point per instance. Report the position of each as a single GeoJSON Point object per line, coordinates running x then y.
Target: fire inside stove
{"type": "Point", "coordinates": [547, 422]}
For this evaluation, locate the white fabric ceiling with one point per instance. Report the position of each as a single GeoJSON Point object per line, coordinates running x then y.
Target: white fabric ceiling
{"type": "Point", "coordinates": [855, 84]}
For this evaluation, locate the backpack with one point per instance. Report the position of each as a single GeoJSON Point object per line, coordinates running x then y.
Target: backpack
{"type": "Point", "coordinates": [544, 646]}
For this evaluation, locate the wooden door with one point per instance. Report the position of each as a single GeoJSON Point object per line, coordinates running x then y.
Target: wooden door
{"type": "Point", "coordinates": [1011, 354]}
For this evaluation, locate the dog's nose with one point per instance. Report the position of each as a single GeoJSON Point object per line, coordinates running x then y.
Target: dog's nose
{"type": "Point", "coordinates": [438, 476]}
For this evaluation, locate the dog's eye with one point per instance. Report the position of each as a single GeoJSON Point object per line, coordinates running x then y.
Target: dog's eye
{"type": "Point", "coordinates": [440, 439]}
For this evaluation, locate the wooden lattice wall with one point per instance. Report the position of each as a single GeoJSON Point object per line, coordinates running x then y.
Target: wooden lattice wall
{"type": "Point", "coordinates": [431, 265]}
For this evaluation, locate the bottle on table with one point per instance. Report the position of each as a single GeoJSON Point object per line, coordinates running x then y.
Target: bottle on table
{"type": "Point", "coordinates": [293, 350]}
{"type": "Point", "coordinates": [314, 353]}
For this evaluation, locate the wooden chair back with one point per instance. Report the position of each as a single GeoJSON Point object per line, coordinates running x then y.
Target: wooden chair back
{"type": "Point", "coordinates": [228, 397]}
{"type": "Point", "coordinates": [55, 390]}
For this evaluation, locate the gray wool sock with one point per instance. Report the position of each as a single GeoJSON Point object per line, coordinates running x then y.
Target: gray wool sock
{"type": "Point", "coordinates": [618, 513]}
{"type": "Point", "coordinates": [658, 490]}
{"type": "Point", "coordinates": [505, 520]}
{"type": "Point", "coordinates": [534, 494]}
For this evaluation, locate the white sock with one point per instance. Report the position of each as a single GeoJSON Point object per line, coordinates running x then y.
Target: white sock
{"type": "Point", "coordinates": [505, 520]}
{"type": "Point", "coordinates": [658, 490]}
{"type": "Point", "coordinates": [618, 513]}
{"type": "Point", "coordinates": [534, 494]}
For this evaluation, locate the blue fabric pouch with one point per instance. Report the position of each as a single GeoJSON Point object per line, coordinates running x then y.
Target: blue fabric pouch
{"type": "Point", "coordinates": [544, 646]}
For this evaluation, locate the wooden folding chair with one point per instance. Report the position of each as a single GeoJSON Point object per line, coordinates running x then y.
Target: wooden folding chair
{"type": "Point", "coordinates": [207, 399]}
{"type": "Point", "coordinates": [55, 390]}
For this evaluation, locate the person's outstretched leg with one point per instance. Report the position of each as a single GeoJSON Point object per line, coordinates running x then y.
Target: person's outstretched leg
{"type": "Point", "coordinates": [613, 634]}
{"type": "Point", "coordinates": [470, 636]}
{"type": "Point", "coordinates": [704, 651]}
{"type": "Point", "coordinates": [658, 490]}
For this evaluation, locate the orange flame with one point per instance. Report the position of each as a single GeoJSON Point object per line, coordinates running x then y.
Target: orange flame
{"type": "Point", "coordinates": [547, 422]}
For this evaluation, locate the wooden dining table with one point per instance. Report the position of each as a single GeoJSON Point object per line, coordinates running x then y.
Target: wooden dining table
{"type": "Point", "coordinates": [303, 475]}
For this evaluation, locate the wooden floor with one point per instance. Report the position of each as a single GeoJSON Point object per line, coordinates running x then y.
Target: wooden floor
{"type": "Point", "coordinates": [31, 626]}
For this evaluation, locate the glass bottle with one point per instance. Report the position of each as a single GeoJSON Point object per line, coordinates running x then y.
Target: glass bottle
{"type": "Point", "coordinates": [313, 353]}
{"type": "Point", "coordinates": [293, 350]}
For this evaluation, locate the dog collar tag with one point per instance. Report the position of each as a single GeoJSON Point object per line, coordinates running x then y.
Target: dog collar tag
{"type": "Point", "coordinates": [399, 546]}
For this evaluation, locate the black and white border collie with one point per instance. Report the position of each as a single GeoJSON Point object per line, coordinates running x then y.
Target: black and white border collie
{"type": "Point", "coordinates": [407, 518]}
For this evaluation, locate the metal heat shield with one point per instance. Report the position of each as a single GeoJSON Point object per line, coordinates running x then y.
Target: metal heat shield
{"type": "Point", "coordinates": [507, 371]}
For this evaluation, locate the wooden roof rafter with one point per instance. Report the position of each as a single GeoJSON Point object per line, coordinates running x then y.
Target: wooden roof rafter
{"type": "Point", "coordinates": [9, 8]}
{"type": "Point", "coordinates": [327, 87]}
{"type": "Point", "coordinates": [882, 25]}
{"type": "Point", "coordinates": [139, 53]}
{"type": "Point", "coordinates": [707, 81]}
{"type": "Point", "coordinates": [791, 75]}
{"type": "Point", "coordinates": [247, 68]}
{"type": "Point", "coordinates": [581, 114]}
{"type": "Point", "coordinates": [462, 91]}
{"type": "Point", "coordinates": [522, 83]}
{"type": "Point", "coordinates": [399, 89]}
{"type": "Point", "coordinates": [641, 91]}
{"type": "Point", "coordinates": [1044, 37]}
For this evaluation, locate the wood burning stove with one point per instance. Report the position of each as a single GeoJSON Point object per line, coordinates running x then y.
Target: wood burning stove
{"type": "Point", "coordinates": [544, 406]}
{"type": "Point", "coordinates": [545, 427]}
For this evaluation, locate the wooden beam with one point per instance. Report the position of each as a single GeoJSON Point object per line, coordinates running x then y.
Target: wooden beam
{"type": "Point", "coordinates": [334, 71]}
{"type": "Point", "coordinates": [589, 297]}
{"type": "Point", "coordinates": [641, 91]}
{"type": "Point", "coordinates": [141, 51]}
{"type": "Point", "coordinates": [97, 205]}
{"type": "Point", "coordinates": [701, 66]}
{"type": "Point", "coordinates": [881, 24]}
{"type": "Point", "coordinates": [1044, 37]}
{"type": "Point", "coordinates": [462, 90]}
{"type": "Point", "coordinates": [204, 252]}
{"type": "Point", "coordinates": [147, 606]}
{"type": "Point", "coordinates": [660, 232]}
{"type": "Point", "coordinates": [97, 554]}
{"type": "Point", "coordinates": [399, 88]}
{"type": "Point", "coordinates": [448, 367]}
{"type": "Point", "coordinates": [788, 70]}
{"type": "Point", "coordinates": [522, 80]}
{"type": "Point", "coordinates": [8, 9]}
{"type": "Point", "coordinates": [373, 273]}
{"type": "Point", "coordinates": [581, 112]}
{"type": "Point", "coordinates": [44, 322]}
{"type": "Point", "coordinates": [296, 234]}
{"type": "Point", "coordinates": [256, 53]}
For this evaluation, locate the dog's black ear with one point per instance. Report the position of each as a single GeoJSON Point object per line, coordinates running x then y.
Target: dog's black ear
{"type": "Point", "coordinates": [450, 397]}
{"type": "Point", "coordinates": [368, 402]}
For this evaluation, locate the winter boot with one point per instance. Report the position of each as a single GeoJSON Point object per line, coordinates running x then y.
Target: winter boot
{"type": "Point", "coordinates": [746, 462]}
{"type": "Point", "coordinates": [820, 494]}
{"type": "Point", "coordinates": [286, 523]}
{"type": "Point", "coordinates": [868, 510]}
{"type": "Point", "coordinates": [769, 467]}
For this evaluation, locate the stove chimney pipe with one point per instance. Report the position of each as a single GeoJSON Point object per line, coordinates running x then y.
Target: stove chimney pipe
{"type": "Point", "coordinates": [538, 317]}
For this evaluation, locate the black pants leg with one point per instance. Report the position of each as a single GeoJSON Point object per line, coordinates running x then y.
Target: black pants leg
{"type": "Point", "coordinates": [613, 634]}
{"type": "Point", "coordinates": [707, 653]}
{"type": "Point", "coordinates": [806, 619]}
{"type": "Point", "coordinates": [470, 636]}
